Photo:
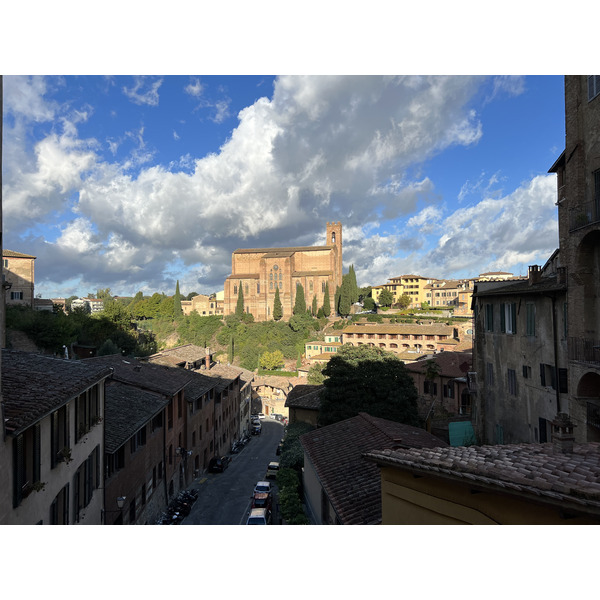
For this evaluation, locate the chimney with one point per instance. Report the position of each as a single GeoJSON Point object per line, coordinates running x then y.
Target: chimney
{"type": "Point", "coordinates": [207, 358]}
{"type": "Point", "coordinates": [534, 274]}
{"type": "Point", "coordinates": [562, 433]}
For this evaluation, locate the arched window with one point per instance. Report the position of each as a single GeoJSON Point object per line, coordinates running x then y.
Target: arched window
{"type": "Point", "coordinates": [333, 237]}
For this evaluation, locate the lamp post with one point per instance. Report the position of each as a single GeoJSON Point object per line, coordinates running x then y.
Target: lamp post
{"type": "Point", "coordinates": [120, 506]}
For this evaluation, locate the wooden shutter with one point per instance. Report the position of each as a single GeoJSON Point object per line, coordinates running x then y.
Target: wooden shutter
{"type": "Point", "coordinates": [513, 316]}
{"type": "Point", "coordinates": [542, 374]}
{"type": "Point", "coordinates": [563, 381]}
{"type": "Point", "coordinates": [502, 318]}
{"type": "Point", "coordinates": [18, 469]}
{"type": "Point", "coordinates": [35, 472]}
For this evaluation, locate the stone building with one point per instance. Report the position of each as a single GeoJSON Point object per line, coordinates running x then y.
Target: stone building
{"type": "Point", "coordinates": [537, 342]}
{"type": "Point", "coordinates": [578, 180]}
{"type": "Point", "coordinates": [18, 277]}
{"type": "Point", "coordinates": [203, 305]}
{"type": "Point", "coordinates": [259, 272]}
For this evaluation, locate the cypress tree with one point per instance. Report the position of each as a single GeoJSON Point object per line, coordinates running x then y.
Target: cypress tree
{"type": "Point", "coordinates": [177, 310]}
{"type": "Point", "coordinates": [239, 308]}
{"type": "Point", "coordinates": [345, 302]}
{"type": "Point", "coordinates": [353, 285]}
{"type": "Point", "coordinates": [277, 308]}
{"type": "Point", "coordinates": [336, 298]}
{"type": "Point", "coordinates": [300, 303]}
{"type": "Point", "coordinates": [314, 306]}
{"type": "Point", "coordinates": [326, 301]}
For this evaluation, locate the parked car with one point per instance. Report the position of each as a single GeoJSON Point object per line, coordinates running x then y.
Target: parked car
{"type": "Point", "coordinates": [259, 516]}
{"type": "Point", "coordinates": [262, 500]}
{"type": "Point", "coordinates": [218, 464]}
{"type": "Point", "coordinates": [272, 469]}
{"type": "Point", "coordinates": [263, 486]}
{"type": "Point", "coordinates": [256, 429]}
{"type": "Point", "coordinates": [261, 416]}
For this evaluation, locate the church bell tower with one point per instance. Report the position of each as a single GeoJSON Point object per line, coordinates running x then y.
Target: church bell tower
{"type": "Point", "coordinates": [334, 238]}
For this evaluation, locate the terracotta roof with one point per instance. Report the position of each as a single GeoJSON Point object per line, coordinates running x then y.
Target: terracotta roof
{"type": "Point", "coordinates": [352, 484]}
{"type": "Point", "coordinates": [158, 378]}
{"type": "Point", "coordinates": [536, 470]}
{"type": "Point", "coordinates": [13, 254]}
{"type": "Point", "coordinates": [402, 328]}
{"type": "Point", "coordinates": [127, 410]}
{"type": "Point", "coordinates": [199, 384]}
{"type": "Point", "coordinates": [304, 396]}
{"type": "Point", "coordinates": [244, 276]}
{"type": "Point", "coordinates": [186, 353]}
{"type": "Point", "coordinates": [34, 385]}
{"type": "Point", "coordinates": [274, 381]}
{"type": "Point", "coordinates": [453, 364]}
{"type": "Point", "coordinates": [223, 374]}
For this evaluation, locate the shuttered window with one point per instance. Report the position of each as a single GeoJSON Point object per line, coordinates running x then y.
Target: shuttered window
{"type": "Point", "coordinates": [593, 86]}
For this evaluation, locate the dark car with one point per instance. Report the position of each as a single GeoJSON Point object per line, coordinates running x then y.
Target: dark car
{"type": "Point", "coordinates": [262, 500]}
{"type": "Point", "coordinates": [218, 464]}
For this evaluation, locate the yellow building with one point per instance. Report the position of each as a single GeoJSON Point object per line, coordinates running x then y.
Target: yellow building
{"type": "Point", "coordinates": [517, 484]}
{"type": "Point", "coordinates": [413, 286]}
{"type": "Point", "coordinates": [259, 272]}
{"type": "Point", "coordinates": [18, 277]}
{"type": "Point", "coordinates": [203, 305]}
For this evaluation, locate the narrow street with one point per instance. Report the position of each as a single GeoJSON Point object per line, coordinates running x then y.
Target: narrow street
{"type": "Point", "coordinates": [224, 498]}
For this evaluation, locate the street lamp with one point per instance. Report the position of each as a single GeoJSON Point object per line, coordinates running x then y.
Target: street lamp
{"type": "Point", "coordinates": [121, 502]}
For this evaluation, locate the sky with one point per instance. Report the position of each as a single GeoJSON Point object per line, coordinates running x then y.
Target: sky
{"type": "Point", "coordinates": [136, 182]}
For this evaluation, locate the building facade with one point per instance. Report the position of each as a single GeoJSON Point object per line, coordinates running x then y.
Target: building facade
{"type": "Point", "coordinates": [18, 278]}
{"type": "Point", "coordinates": [258, 273]}
{"type": "Point", "coordinates": [578, 201]}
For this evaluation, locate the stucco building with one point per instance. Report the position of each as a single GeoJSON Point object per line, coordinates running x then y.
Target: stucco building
{"type": "Point", "coordinates": [259, 272]}
{"type": "Point", "coordinates": [18, 278]}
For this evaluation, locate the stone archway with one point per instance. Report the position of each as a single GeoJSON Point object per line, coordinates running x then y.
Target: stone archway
{"type": "Point", "coordinates": [588, 394]}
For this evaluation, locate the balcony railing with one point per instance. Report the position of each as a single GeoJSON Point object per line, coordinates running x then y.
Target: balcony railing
{"type": "Point", "coordinates": [583, 215]}
{"type": "Point", "coordinates": [584, 350]}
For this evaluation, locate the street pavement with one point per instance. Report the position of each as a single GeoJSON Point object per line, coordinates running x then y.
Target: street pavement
{"type": "Point", "coordinates": [224, 498]}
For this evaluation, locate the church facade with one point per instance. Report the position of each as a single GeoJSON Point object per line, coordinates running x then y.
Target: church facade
{"type": "Point", "coordinates": [258, 272]}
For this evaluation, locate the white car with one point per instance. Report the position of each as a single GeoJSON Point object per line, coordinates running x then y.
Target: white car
{"type": "Point", "coordinates": [259, 516]}
{"type": "Point", "coordinates": [272, 470]}
{"type": "Point", "coordinates": [263, 486]}
{"type": "Point", "coordinates": [261, 416]}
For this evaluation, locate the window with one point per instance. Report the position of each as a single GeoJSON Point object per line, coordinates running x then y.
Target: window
{"type": "Point", "coordinates": [16, 295]}
{"type": "Point", "coordinates": [508, 318]}
{"type": "Point", "coordinates": [59, 435]}
{"type": "Point", "coordinates": [530, 319]}
{"type": "Point", "coordinates": [563, 381]}
{"type": "Point", "coordinates": [235, 290]}
{"type": "Point", "coordinates": [526, 372]}
{"type": "Point", "coordinates": [593, 86]}
{"type": "Point", "coordinates": [257, 289]}
{"type": "Point", "coordinates": [114, 462]}
{"type": "Point", "coordinates": [26, 463]}
{"type": "Point", "coordinates": [430, 387]}
{"type": "Point", "coordinates": [565, 330]}
{"type": "Point", "coordinates": [547, 377]}
{"type": "Point", "coordinates": [157, 422]}
{"type": "Point", "coordinates": [59, 509]}
{"type": "Point", "coordinates": [449, 390]}
{"type": "Point", "coordinates": [489, 374]}
{"type": "Point", "coordinates": [512, 382]}
{"type": "Point", "coordinates": [138, 440]}
{"type": "Point", "coordinates": [85, 481]}
{"type": "Point", "coordinates": [489, 317]}
{"type": "Point", "coordinates": [87, 412]}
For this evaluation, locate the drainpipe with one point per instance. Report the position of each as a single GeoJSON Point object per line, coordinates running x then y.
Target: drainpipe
{"type": "Point", "coordinates": [555, 345]}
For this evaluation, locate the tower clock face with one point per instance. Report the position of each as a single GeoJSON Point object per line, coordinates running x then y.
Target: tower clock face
{"type": "Point", "coordinates": [275, 267]}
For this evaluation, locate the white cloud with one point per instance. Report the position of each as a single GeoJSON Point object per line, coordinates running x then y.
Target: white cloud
{"type": "Point", "coordinates": [195, 88]}
{"type": "Point", "coordinates": [144, 91]}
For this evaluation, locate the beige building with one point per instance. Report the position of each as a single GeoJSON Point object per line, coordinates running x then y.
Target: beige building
{"type": "Point", "coordinates": [259, 272]}
{"type": "Point", "coordinates": [203, 305]}
{"type": "Point", "coordinates": [414, 286]}
{"type": "Point", "coordinates": [18, 278]}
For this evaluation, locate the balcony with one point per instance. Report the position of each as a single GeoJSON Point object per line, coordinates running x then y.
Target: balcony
{"type": "Point", "coordinates": [584, 350]}
{"type": "Point", "coordinates": [584, 215]}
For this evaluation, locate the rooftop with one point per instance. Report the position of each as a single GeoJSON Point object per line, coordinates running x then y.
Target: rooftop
{"type": "Point", "coordinates": [34, 385]}
{"type": "Point", "coordinates": [352, 484]}
{"type": "Point", "coordinates": [452, 364]}
{"type": "Point", "coordinates": [536, 470]}
{"type": "Point", "coordinates": [304, 396]}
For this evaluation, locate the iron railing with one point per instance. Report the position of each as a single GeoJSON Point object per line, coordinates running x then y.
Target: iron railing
{"type": "Point", "coordinates": [584, 350]}
{"type": "Point", "coordinates": [584, 214]}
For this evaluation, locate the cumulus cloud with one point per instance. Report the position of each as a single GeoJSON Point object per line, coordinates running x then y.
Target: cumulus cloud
{"type": "Point", "coordinates": [320, 149]}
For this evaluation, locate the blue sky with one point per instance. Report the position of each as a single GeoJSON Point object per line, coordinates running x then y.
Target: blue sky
{"type": "Point", "coordinates": [134, 182]}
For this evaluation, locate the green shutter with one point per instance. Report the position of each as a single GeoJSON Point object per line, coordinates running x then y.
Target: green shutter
{"type": "Point", "coordinates": [502, 318]}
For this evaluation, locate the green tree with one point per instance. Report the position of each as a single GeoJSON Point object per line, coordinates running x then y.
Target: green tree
{"type": "Point", "coordinates": [404, 301]}
{"type": "Point", "coordinates": [300, 303]}
{"type": "Point", "coordinates": [386, 298]}
{"type": "Point", "coordinates": [369, 304]}
{"type": "Point", "coordinates": [177, 310]}
{"type": "Point", "coordinates": [277, 307]}
{"type": "Point", "coordinates": [315, 374]}
{"type": "Point", "coordinates": [239, 307]}
{"type": "Point", "coordinates": [367, 379]}
{"type": "Point", "coordinates": [271, 360]}
{"type": "Point", "coordinates": [230, 349]}
{"type": "Point", "coordinates": [336, 299]}
{"type": "Point", "coordinates": [353, 286]}
{"type": "Point", "coordinates": [345, 302]}
{"type": "Point", "coordinates": [314, 306]}
{"type": "Point", "coordinates": [326, 301]}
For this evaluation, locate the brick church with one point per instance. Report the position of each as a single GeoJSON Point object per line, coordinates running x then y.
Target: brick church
{"type": "Point", "coordinates": [260, 271]}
